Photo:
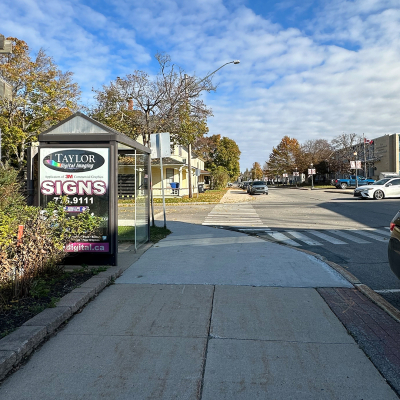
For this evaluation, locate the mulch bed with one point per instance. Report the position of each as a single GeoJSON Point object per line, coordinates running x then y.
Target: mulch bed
{"type": "Point", "coordinates": [15, 313]}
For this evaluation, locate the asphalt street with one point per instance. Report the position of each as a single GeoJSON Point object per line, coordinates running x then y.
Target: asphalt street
{"type": "Point", "coordinates": [343, 217]}
{"type": "Point", "coordinates": [346, 230]}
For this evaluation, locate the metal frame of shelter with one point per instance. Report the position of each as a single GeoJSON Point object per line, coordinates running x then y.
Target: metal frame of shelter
{"type": "Point", "coordinates": [82, 132]}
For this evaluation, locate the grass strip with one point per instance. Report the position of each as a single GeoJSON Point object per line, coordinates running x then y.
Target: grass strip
{"type": "Point", "coordinates": [127, 233]}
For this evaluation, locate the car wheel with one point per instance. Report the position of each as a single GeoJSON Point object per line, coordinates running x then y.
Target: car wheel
{"type": "Point", "coordinates": [379, 195]}
{"type": "Point", "coordinates": [343, 185]}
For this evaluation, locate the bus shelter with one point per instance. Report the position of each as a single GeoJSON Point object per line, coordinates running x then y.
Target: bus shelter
{"type": "Point", "coordinates": [78, 158]}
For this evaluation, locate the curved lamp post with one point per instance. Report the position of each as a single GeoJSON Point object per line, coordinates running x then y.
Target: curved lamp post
{"type": "Point", "coordinates": [190, 145]}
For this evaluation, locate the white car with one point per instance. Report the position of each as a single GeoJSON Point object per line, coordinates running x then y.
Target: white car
{"type": "Point", "coordinates": [387, 187]}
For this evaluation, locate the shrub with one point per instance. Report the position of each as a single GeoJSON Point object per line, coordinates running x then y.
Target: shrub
{"type": "Point", "coordinates": [45, 234]}
{"type": "Point", "coordinates": [220, 178]}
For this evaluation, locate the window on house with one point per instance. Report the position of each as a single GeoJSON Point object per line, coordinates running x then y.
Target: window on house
{"type": "Point", "coordinates": [180, 151]}
{"type": "Point", "coordinates": [170, 175]}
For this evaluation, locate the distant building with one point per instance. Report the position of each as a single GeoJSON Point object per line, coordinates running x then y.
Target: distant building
{"type": "Point", "coordinates": [386, 154]}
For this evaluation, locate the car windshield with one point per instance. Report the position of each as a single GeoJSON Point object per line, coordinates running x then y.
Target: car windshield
{"type": "Point", "coordinates": [382, 181]}
{"type": "Point", "coordinates": [259, 183]}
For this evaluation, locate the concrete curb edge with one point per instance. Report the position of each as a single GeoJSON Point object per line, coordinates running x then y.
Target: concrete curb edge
{"type": "Point", "coordinates": [25, 339]}
{"type": "Point", "coordinates": [364, 289]}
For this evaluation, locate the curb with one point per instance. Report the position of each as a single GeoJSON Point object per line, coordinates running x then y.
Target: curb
{"type": "Point", "coordinates": [23, 341]}
{"type": "Point", "coordinates": [364, 289]}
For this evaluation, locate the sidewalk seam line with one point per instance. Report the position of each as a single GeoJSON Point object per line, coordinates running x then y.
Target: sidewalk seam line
{"type": "Point", "coordinates": [206, 349]}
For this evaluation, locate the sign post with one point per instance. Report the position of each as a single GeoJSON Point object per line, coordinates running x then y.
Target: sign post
{"type": "Point", "coordinates": [296, 174]}
{"type": "Point", "coordinates": [161, 147]}
{"type": "Point", "coordinates": [311, 171]}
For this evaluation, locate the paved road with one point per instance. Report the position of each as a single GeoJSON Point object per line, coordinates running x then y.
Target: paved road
{"type": "Point", "coordinates": [351, 232]}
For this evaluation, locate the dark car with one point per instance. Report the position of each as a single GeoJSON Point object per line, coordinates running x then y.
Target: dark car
{"type": "Point", "coordinates": [258, 187]}
{"type": "Point", "coordinates": [244, 185]}
{"type": "Point", "coordinates": [394, 245]}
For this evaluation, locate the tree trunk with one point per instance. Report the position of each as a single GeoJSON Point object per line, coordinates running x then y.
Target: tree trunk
{"type": "Point", "coordinates": [190, 170]}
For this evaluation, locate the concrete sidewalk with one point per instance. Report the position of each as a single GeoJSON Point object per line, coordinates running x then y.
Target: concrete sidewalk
{"type": "Point", "coordinates": [206, 314]}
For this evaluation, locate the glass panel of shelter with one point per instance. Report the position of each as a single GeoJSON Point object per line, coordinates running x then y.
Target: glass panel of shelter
{"type": "Point", "coordinates": [133, 195]}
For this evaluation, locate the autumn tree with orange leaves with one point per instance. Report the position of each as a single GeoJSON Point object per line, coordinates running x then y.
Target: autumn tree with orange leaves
{"type": "Point", "coordinates": [284, 157]}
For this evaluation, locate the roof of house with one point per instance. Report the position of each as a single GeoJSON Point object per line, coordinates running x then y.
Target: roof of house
{"type": "Point", "coordinates": [167, 161]}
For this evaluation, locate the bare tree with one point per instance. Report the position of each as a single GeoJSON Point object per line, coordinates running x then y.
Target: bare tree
{"type": "Point", "coordinates": [140, 104]}
{"type": "Point", "coordinates": [344, 146]}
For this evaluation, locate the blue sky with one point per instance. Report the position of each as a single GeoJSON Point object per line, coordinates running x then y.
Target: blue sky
{"type": "Point", "coordinates": [309, 68]}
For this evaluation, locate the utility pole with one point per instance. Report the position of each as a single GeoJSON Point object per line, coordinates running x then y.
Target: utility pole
{"type": "Point", "coordinates": [190, 145]}
{"type": "Point", "coordinates": [189, 153]}
{"type": "Point", "coordinates": [365, 159]}
{"type": "Point", "coordinates": [5, 88]}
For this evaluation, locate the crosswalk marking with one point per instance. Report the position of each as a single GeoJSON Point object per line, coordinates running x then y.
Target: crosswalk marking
{"type": "Point", "coordinates": [234, 216]}
{"type": "Point", "coordinates": [383, 291]}
{"type": "Point", "coordinates": [382, 231]}
{"type": "Point", "coordinates": [350, 237]}
{"type": "Point", "coordinates": [255, 229]}
{"type": "Point", "coordinates": [370, 235]}
{"type": "Point", "coordinates": [298, 239]}
{"type": "Point", "coordinates": [328, 238]}
{"type": "Point", "coordinates": [280, 237]}
{"type": "Point", "coordinates": [304, 238]}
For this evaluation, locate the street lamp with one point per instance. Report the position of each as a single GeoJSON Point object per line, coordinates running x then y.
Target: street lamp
{"type": "Point", "coordinates": [296, 177]}
{"type": "Point", "coordinates": [190, 145]}
{"type": "Point", "coordinates": [355, 166]}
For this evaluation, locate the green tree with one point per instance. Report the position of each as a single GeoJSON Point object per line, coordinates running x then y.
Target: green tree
{"type": "Point", "coordinates": [42, 95]}
{"type": "Point", "coordinates": [256, 171]}
{"type": "Point", "coordinates": [227, 155]}
{"type": "Point", "coordinates": [220, 178]}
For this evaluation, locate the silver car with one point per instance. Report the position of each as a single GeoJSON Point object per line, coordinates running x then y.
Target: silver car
{"type": "Point", "coordinates": [259, 187]}
{"type": "Point", "coordinates": [387, 187]}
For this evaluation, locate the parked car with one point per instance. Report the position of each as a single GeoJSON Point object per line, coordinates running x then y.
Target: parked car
{"type": "Point", "coordinates": [394, 245]}
{"type": "Point", "coordinates": [351, 181]}
{"type": "Point", "coordinates": [245, 184]}
{"type": "Point", "coordinates": [258, 187]}
{"type": "Point", "coordinates": [248, 188]}
{"type": "Point", "coordinates": [387, 187]}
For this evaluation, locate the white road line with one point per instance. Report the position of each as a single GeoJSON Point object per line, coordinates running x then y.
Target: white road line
{"type": "Point", "coordinates": [282, 238]}
{"type": "Point", "coordinates": [232, 220]}
{"type": "Point", "coordinates": [382, 232]}
{"type": "Point", "coordinates": [234, 223]}
{"type": "Point", "coordinates": [383, 291]}
{"type": "Point", "coordinates": [352, 238]}
{"type": "Point", "coordinates": [370, 235]}
{"type": "Point", "coordinates": [328, 238]}
{"type": "Point", "coordinates": [253, 229]}
{"type": "Point", "coordinates": [233, 216]}
{"type": "Point", "coordinates": [304, 238]}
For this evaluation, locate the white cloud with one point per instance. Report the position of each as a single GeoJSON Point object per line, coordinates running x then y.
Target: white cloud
{"type": "Point", "coordinates": [341, 73]}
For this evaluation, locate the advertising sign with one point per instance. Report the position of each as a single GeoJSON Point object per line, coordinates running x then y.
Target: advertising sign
{"type": "Point", "coordinates": [81, 174]}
